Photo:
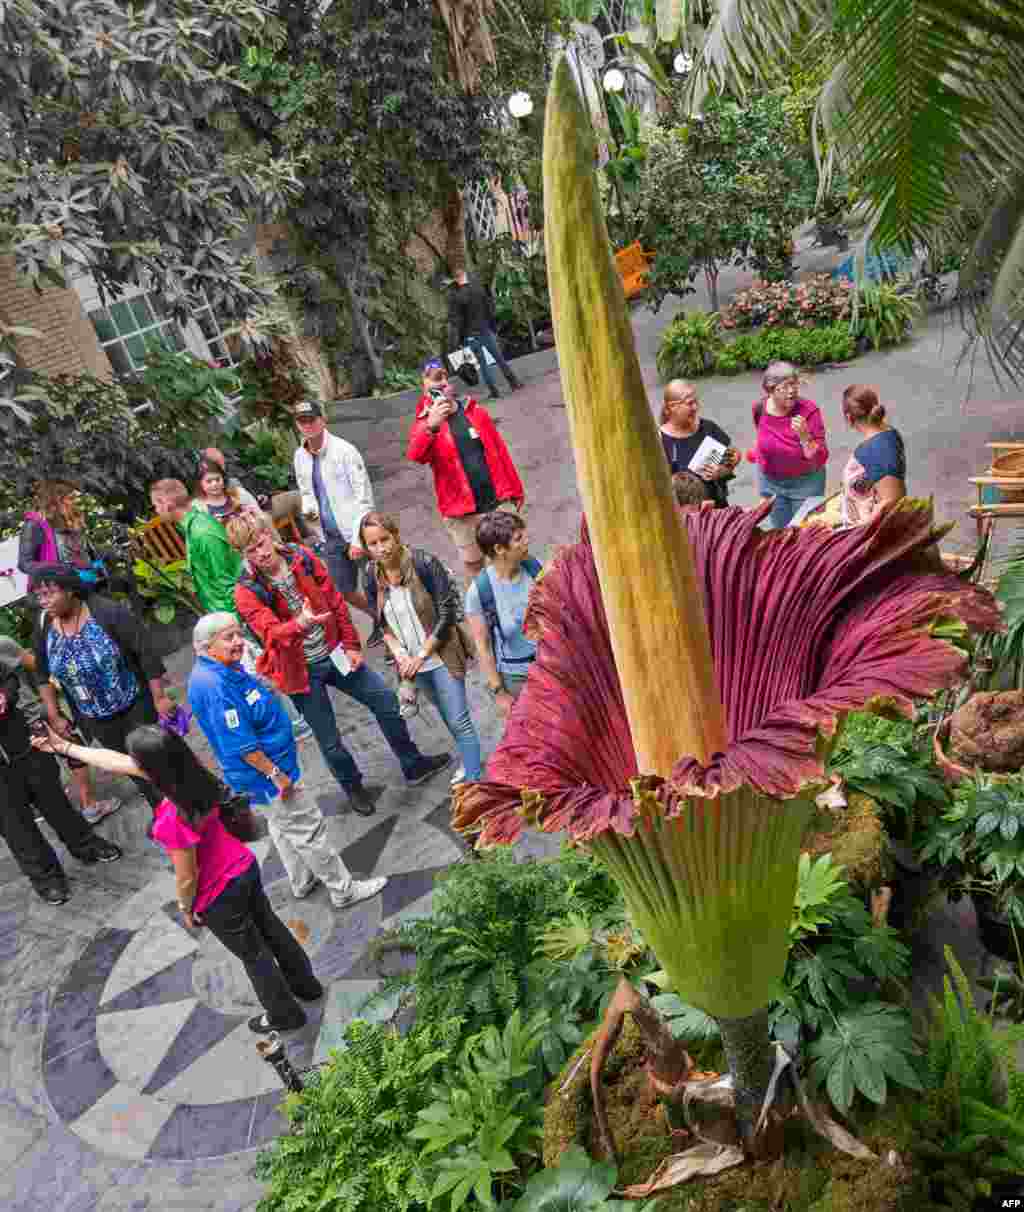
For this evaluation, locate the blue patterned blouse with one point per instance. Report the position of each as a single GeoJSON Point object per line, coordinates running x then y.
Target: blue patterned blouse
{"type": "Point", "coordinates": [92, 671]}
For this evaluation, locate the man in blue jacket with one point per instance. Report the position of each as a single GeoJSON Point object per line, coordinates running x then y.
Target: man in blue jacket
{"type": "Point", "coordinates": [251, 736]}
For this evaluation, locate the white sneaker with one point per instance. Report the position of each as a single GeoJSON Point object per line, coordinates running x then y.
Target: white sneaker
{"type": "Point", "coordinates": [100, 810]}
{"type": "Point", "coordinates": [361, 890]}
{"type": "Point", "coordinates": [458, 777]}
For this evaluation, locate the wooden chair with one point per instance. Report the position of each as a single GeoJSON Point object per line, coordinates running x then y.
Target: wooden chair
{"type": "Point", "coordinates": [633, 263]}
{"type": "Point", "coordinates": [162, 542]}
{"type": "Point", "coordinates": [288, 528]}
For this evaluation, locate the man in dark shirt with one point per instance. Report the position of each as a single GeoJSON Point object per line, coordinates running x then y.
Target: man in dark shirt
{"type": "Point", "coordinates": [473, 311]}
{"type": "Point", "coordinates": [30, 785]}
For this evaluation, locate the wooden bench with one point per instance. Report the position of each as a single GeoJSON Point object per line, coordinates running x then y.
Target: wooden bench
{"type": "Point", "coordinates": [162, 542]}
{"type": "Point", "coordinates": [633, 265]}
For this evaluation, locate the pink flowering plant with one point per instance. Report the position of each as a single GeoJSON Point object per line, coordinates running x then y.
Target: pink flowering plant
{"type": "Point", "coordinates": [815, 302]}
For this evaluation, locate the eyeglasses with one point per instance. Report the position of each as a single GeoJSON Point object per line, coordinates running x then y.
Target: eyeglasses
{"type": "Point", "coordinates": [307, 420]}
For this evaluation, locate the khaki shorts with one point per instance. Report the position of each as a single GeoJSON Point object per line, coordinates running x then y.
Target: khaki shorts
{"type": "Point", "coordinates": [463, 531]}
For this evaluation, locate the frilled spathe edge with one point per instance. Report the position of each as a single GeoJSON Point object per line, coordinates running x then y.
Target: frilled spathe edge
{"type": "Point", "coordinates": [817, 623]}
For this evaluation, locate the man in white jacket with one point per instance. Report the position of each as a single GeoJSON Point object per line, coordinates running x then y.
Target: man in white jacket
{"type": "Point", "coordinates": [334, 485]}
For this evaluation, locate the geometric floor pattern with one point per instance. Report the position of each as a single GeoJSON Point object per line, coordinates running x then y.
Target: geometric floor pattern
{"type": "Point", "coordinates": [146, 1053]}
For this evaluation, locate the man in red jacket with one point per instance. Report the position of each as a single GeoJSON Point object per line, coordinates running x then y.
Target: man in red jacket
{"type": "Point", "coordinates": [473, 470]}
{"type": "Point", "coordinates": [287, 598]}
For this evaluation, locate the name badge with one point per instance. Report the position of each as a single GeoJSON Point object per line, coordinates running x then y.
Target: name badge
{"type": "Point", "coordinates": [252, 697]}
{"type": "Point", "coordinates": [473, 433]}
{"type": "Point", "coordinates": [339, 658]}
{"type": "Point", "coordinates": [231, 718]}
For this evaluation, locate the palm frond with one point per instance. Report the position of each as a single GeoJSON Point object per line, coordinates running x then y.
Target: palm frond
{"type": "Point", "coordinates": [748, 38]}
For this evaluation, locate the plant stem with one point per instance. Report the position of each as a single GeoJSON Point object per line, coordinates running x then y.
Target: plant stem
{"type": "Point", "coordinates": [751, 1058]}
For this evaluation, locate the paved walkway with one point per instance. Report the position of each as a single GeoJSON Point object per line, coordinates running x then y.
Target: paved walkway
{"type": "Point", "coordinates": [128, 1079]}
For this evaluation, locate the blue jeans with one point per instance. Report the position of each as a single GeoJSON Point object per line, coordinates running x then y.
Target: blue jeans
{"type": "Point", "coordinates": [790, 494]}
{"type": "Point", "coordinates": [488, 339]}
{"type": "Point", "coordinates": [372, 691]}
{"type": "Point", "coordinates": [448, 694]}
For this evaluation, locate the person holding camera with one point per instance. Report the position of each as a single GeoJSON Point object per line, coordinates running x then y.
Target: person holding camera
{"type": "Point", "coordinates": [473, 470]}
{"type": "Point", "coordinates": [30, 786]}
{"type": "Point", "coordinates": [217, 878]}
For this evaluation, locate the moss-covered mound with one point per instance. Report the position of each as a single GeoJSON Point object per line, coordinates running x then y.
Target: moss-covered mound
{"type": "Point", "coordinates": [855, 838]}
{"type": "Point", "coordinates": [812, 1177]}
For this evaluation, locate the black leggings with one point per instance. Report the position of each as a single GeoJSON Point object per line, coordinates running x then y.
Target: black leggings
{"type": "Point", "coordinates": [30, 786]}
{"type": "Point", "coordinates": [245, 922]}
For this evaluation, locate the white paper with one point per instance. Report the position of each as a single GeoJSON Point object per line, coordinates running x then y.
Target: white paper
{"type": "Point", "coordinates": [709, 454]}
{"type": "Point", "coordinates": [339, 657]}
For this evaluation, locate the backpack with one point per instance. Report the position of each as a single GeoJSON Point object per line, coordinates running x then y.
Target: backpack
{"type": "Point", "coordinates": [489, 607]}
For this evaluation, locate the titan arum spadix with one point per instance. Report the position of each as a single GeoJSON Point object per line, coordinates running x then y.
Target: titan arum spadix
{"type": "Point", "coordinates": [692, 667]}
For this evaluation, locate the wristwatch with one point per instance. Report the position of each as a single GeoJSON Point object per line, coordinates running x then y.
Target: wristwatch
{"type": "Point", "coordinates": [496, 690]}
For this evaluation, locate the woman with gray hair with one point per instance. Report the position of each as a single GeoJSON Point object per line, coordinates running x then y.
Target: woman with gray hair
{"type": "Point", "coordinates": [252, 739]}
{"type": "Point", "coordinates": [791, 450]}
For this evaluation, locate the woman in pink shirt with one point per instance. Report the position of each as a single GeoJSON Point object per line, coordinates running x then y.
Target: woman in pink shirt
{"type": "Point", "coordinates": [218, 878]}
{"type": "Point", "coordinates": [791, 450]}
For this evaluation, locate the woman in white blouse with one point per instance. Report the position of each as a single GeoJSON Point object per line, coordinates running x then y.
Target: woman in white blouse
{"type": "Point", "coordinates": [416, 603]}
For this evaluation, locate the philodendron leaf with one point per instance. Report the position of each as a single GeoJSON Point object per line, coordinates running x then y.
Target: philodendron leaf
{"type": "Point", "coordinates": [576, 1184]}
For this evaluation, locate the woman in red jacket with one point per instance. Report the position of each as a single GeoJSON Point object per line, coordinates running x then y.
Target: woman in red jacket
{"type": "Point", "coordinates": [286, 597]}
{"type": "Point", "coordinates": [473, 470]}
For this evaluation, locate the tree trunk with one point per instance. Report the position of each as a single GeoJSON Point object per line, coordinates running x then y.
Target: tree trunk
{"type": "Point", "coordinates": [711, 278]}
{"type": "Point", "coordinates": [750, 1055]}
{"type": "Point", "coordinates": [361, 323]}
{"type": "Point", "coordinates": [455, 230]}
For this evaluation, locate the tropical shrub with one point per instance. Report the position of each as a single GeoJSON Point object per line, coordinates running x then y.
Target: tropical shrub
{"type": "Point", "coordinates": [885, 314]}
{"type": "Point", "coordinates": [977, 846]}
{"type": "Point", "coordinates": [724, 188]}
{"type": "Point", "coordinates": [476, 955]}
{"type": "Point", "coordinates": [817, 301]}
{"type": "Point", "coordinates": [265, 451]}
{"type": "Point", "coordinates": [350, 1147]}
{"type": "Point", "coordinates": [689, 346]}
{"type": "Point", "coordinates": [802, 346]}
{"type": "Point", "coordinates": [879, 757]}
{"type": "Point", "coordinates": [185, 396]}
{"type": "Point", "coordinates": [970, 1122]}
{"type": "Point", "coordinates": [482, 1127]}
{"type": "Point", "coordinates": [83, 429]}
{"type": "Point", "coordinates": [577, 1184]}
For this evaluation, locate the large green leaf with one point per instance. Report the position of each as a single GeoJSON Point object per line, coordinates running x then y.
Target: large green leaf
{"type": "Point", "coordinates": [576, 1184]}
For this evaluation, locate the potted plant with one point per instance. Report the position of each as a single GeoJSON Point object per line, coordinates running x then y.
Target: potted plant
{"type": "Point", "coordinates": [978, 846]}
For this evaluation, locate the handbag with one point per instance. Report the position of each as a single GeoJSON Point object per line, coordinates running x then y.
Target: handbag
{"type": "Point", "coordinates": [468, 372]}
{"type": "Point", "coordinates": [239, 820]}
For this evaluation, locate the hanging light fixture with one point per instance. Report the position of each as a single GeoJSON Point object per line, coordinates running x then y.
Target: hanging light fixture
{"type": "Point", "coordinates": [614, 80]}
{"type": "Point", "coordinates": [520, 105]}
{"type": "Point", "coordinates": [682, 63]}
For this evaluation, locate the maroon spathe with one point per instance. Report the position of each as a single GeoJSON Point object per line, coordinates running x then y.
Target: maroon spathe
{"type": "Point", "coordinates": [805, 625]}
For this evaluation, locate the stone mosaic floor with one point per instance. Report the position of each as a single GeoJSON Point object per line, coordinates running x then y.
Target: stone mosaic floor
{"type": "Point", "coordinates": [128, 1076]}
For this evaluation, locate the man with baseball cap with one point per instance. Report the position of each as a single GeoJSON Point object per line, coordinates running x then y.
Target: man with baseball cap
{"type": "Point", "coordinates": [335, 488]}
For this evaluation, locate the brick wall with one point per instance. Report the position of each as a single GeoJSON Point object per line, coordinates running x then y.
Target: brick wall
{"type": "Point", "coordinates": [68, 344]}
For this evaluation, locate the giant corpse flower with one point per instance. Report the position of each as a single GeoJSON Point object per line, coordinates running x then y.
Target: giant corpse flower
{"type": "Point", "coordinates": [691, 668]}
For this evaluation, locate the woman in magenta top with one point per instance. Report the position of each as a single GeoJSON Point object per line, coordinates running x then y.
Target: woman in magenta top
{"type": "Point", "coordinates": [217, 877]}
{"type": "Point", "coordinates": [791, 450]}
